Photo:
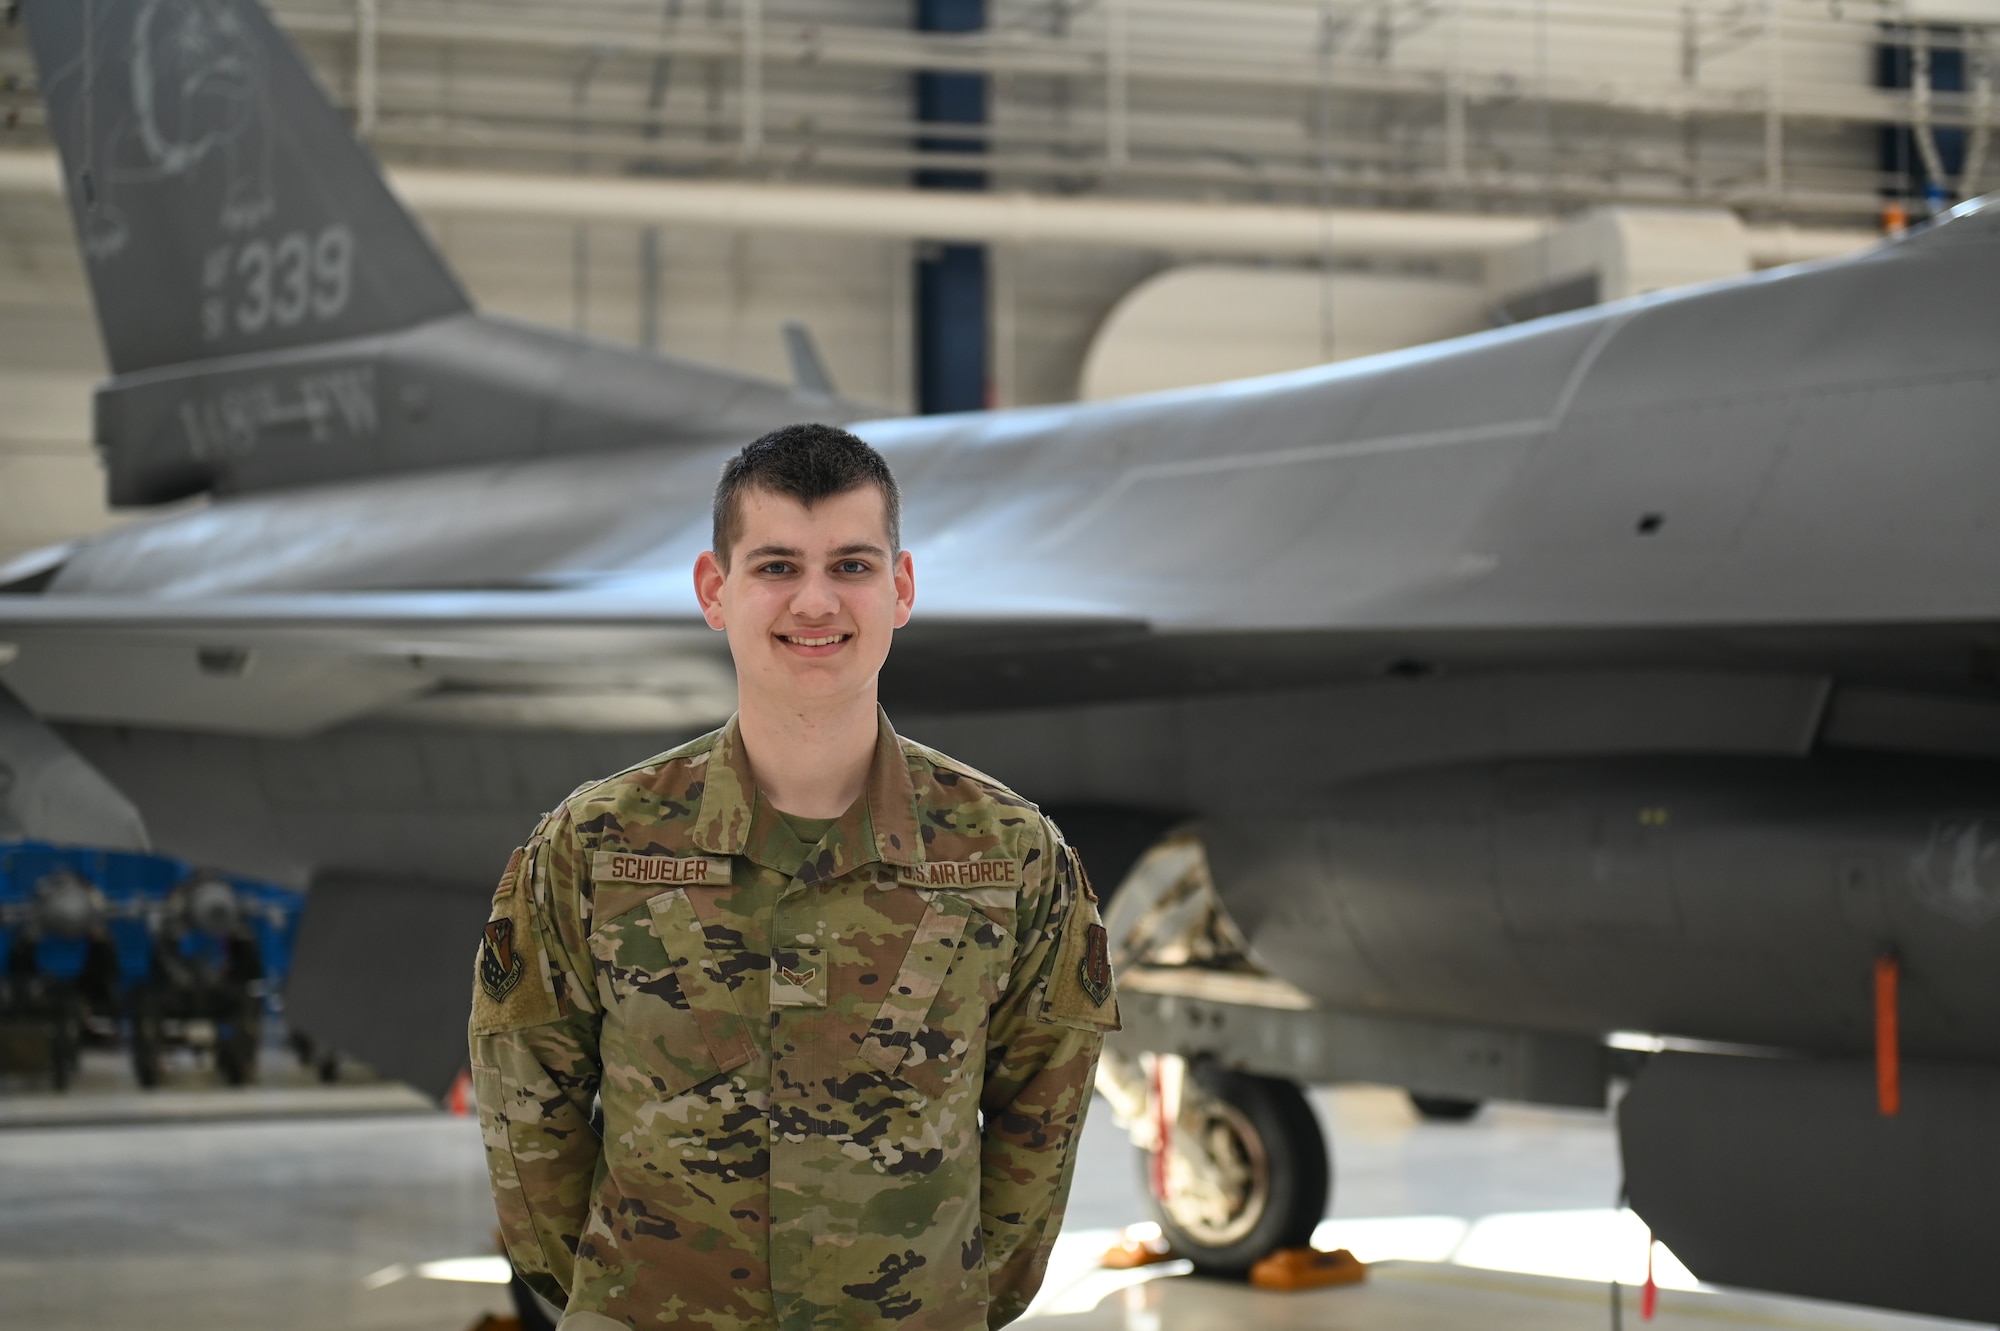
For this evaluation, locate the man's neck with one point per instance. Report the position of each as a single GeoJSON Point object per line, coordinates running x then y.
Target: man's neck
{"type": "Point", "coordinates": [812, 763]}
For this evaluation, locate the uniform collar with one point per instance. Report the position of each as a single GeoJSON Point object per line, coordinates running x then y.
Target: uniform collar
{"type": "Point", "coordinates": [881, 825]}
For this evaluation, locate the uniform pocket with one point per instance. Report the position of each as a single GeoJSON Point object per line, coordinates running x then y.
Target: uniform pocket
{"type": "Point", "coordinates": [896, 1036]}
{"type": "Point", "coordinates": [668, 1016]}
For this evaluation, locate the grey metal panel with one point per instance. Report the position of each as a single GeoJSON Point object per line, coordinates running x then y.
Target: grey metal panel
{"type": "Point", "coordinates": [375, 801]}
{"type": "Point", "coordinates": [1322, 1047]}
{"type": "Point", "coordinates": [1282, 750]}
{"type": "Point", "coordinates": [1900, 721]}
{"type": "Point", "coordinates": [1781, 1174]}
{"type": "Point", "coordinates": [1740, 900]}
{"type": "Point", "coordinates": [48, 792]}
{"type": "Point", "coordinates": [383, 972]}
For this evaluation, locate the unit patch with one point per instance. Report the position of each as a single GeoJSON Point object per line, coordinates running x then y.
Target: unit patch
{"type": "Point", "coordinates": [500, 966]}
{"type": "Point", "coordinates": [1082, 991]}
{"type": "Point", "coordinates": [1094, 971]}
{"type": "Point", "coordinates": [961, 873]}
{"type": "Point", "coordinates": [613, 866]}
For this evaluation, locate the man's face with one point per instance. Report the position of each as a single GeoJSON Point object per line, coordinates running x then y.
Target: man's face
{"type": "Point", "coordinates": [811, 596]}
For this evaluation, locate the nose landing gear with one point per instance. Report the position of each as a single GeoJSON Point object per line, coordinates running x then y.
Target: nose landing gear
{"type": "Point", "coordinates": [1236, 1165]}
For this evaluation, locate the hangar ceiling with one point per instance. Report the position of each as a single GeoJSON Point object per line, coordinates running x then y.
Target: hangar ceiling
{"type": "Point", "coordinates": [1764, 106]}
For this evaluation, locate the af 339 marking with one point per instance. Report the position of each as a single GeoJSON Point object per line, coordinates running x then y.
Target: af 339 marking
{"type": "Point", "coordinates": [265, 283]}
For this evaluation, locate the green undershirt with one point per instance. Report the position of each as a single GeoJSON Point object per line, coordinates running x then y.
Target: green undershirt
{"type": "Point", "coordinates": [809, 831]}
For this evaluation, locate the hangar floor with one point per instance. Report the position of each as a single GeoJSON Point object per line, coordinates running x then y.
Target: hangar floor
{"type": "Point", "coordinates": [292, 1216]}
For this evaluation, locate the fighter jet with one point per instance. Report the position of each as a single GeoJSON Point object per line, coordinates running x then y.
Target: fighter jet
{"type": "Point", "coordinates": [1434, 716]}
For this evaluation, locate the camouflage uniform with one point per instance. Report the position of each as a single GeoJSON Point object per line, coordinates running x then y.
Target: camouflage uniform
{"type": "Point", "coordinates": [841, 1084]}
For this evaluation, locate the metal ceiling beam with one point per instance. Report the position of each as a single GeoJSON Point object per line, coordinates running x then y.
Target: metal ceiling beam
{"type": "Point", "coordinates": [1241, 230]}
{"type": "Point", "coordinates": [1020, 53]}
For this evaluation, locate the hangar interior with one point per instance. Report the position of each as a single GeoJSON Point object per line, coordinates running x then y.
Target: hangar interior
{"type": "Point", "coordinates": [1546, 138]}
{"type": "Point", "coordinates": [939, 206]}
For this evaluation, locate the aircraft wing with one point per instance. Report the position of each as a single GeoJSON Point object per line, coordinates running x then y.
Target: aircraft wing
{"type": "Point", "coordinates": [619, 657]}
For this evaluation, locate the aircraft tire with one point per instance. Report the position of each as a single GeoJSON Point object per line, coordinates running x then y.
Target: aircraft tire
{"type": "Point", "coordinates": [1260, 1134]}
{"type": "Point", "coordinates": [1444, 1108]}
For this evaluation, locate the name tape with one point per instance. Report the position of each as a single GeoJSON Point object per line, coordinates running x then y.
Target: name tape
{"type": "Point", "coordinates": [961, 873]}
{"type": "Point", "coordinates": [611, 866]}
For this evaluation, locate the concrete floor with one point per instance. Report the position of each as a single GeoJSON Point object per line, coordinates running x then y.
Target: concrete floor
{"type": "Point", "coordinates": [306, 1221]}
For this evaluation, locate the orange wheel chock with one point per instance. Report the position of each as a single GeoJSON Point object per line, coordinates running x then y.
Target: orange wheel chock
{"type": "Point", "coordinates": [1138, 1245]}
{"type": "Point", "coordinates": [1308, 1268]}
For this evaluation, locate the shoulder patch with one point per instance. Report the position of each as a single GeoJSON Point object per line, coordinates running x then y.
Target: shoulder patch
{"type": "Point", "coordinates": [1081, 990]}
{"type": "Point", "coordinates": [500, 966]}
{"type": "Point", "coordinates": [1094, 971]}
{"type": "Point", "coordinates": [511, 987]}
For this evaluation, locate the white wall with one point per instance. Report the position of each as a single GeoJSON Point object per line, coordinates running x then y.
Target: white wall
{"type": "Point", "coordinates": [1204, 323]}
{"type": "Point", "coordinates": [50, 484]}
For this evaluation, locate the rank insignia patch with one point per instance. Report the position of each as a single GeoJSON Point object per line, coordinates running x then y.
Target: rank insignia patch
{"type": "Point", "coordinates": [1094, 971]}
{"type": "Point", "coordinates": [500, 966]}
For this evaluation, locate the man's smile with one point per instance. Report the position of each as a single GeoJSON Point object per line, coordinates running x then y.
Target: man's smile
{"type": "Point", "coordinates": [815, 642]}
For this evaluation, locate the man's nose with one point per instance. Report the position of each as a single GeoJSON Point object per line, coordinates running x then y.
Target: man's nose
{"type": "Point", "coordinates": [815, 598]}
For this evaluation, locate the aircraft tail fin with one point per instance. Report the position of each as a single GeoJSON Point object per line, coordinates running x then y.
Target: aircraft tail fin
{"type": "Point", "coordinates": [222, 203]}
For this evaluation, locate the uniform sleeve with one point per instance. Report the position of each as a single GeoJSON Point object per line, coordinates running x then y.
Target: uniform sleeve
{"type": "Point", "coordinates": [1041, 1060]}
{"type": "Point", "coordinates": [535, 1065]}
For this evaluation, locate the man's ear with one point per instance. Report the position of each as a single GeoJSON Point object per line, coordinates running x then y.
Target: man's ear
{"type": "Point", "coordinates": [708, 578]}
{"type": "Point", "coordinates": [906, 587]}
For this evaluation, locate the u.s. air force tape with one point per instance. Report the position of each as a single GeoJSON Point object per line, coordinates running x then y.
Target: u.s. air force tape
{"type": "Point", "coordinates": [617, 866]}
{"type": "Point", "coordinates": [961, 873]}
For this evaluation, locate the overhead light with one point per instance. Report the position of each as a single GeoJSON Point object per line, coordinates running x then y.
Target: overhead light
{"type": "Point", "coordinates": [9, 651]}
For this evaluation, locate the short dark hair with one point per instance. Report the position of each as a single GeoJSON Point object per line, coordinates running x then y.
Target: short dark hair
{"type": "Point", "coordinates": [807, 463]}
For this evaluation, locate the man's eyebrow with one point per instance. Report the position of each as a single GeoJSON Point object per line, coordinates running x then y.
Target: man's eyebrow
{"type": "Point", "coordinates": [774, 552]}
{"type": "Point", "coordinates": [860, 548]}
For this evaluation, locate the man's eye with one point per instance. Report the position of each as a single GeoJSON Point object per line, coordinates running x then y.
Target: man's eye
{"type": "Point", "coordinates": [777, 567]}
{"type": "Point", "coordinates": [851, 566]}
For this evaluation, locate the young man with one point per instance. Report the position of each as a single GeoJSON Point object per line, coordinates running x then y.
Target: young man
{"type": "Point", "coordinates": [840, 997]}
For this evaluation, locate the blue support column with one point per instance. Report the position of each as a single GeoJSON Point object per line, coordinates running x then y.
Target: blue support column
{"type": "Point", "coordinates": [1902, 161]}
{"type": "Point", "coordinates": [951, 282]}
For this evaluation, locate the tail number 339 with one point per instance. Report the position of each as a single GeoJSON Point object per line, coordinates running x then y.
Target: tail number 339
{"type": "Point", "coordinates": [277, 284]}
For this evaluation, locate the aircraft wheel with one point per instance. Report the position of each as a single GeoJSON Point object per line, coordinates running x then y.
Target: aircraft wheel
{"type": "Point", "coordinates": [1444, 1108]}
{"type": "Point", "coordinates": [1246, 1172]}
